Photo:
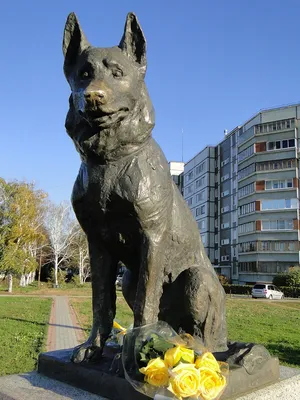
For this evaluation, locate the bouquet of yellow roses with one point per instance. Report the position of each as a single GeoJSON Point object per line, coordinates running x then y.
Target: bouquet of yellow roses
{"type": "Point", "coordinates": [157, 360]}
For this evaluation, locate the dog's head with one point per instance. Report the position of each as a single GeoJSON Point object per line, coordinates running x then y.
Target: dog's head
{"type": "Point", "coordinates": [110, 111]}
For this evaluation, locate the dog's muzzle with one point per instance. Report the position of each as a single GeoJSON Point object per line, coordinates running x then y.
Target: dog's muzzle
{"type": "Point", "coordinates": [89, 100]}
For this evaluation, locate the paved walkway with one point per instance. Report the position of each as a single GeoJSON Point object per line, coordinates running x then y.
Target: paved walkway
{"type": "Point", "coordinates": [64, 331]}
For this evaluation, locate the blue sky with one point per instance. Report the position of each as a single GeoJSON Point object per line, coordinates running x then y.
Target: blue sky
{"type": "Point", "coordinates": [211, 65]}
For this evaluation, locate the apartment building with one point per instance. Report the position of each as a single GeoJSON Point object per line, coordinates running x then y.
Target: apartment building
{"type": "Point", "coordinates": [244, 195]}
{"type": "Point", "coordinates": [176, 170]}
{"type": "Point", "coordinates": [199, 193]}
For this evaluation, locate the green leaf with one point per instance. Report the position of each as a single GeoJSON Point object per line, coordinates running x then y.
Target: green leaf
{"type": "Point", "coordinates": [143, 358]}
{"type": "Point", "coordinates": [161, 345]}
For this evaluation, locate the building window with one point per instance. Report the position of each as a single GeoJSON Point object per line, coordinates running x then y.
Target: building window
{"type": "Point", "coordinates": [225, 225]}
{"type": "Point", "coordinates": [203, 238]}
{"type": "Point", "coordinates": [200, 196]}
{"type": "Point", "coordinates": [188, 190]}
{"type": "Point", "coordinates": [234, 235]}
{"type": "Point", "coordinates": [226, 161]}
{"type": "Point", "coordinates": [246, 190]}
{"type": "Point", "coordinates": [275, 165]}
{"type": "Point", "coordinates": [246, 171]}
{"type": "Point", "coordinates": [278, 204]}
{"type": "Point", "coordinates": [272, 267]}
{"type": "Point", "coordinates": [224, 177]}
{"type": "Point", "coordinates": [225, 241]}
{"type": "Point", "coordinates": [190, 201]}
{"type": "Point", "coordinates": [280, 144]}
{"type": "Point", "coordinates": [247, 247]}
{"type": "Point", "coordinates": [246, 228]}
{"type": "Point", "coordinates": [200, 210]}
{"type": "Point", "coordinates": [200, 182]}
{"type": "Point", "coordinates": [278, 184]}
{"type": "Point", "coordinates": [225, 193]}
{"type": "Point", "coordinates": [275, 126]}
{"type": "Point", "coordinates": [224, 258]}
{"type": "Point", "coordinates": [246, 153]}
{"type": "Point", "coordinates": [189, 176]}
{"type": "Point", "coordinates": [225, 209]}
{"type": "Point", "coordinates": [249, 266]}
{"type": "Point", "coordinates": [201, 225]}
{"type": "Point", "coordinates": [246, 209]}
{"type": "Point", "coordinates": [277, 225]}
{"type": "Point", "coordinates": [234, 201]}
{"type": "Point", "coordinates": [200, 168]}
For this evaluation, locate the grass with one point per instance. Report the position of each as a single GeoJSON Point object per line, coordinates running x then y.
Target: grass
{"type": "Point", "coordinates": [83, 310]}
{"type": "Point", "coordinates": [44, 290]}
{"type": "Point", "coordinates": [274, 324]}
{"type": "Point", "coordinates": [23, 328]}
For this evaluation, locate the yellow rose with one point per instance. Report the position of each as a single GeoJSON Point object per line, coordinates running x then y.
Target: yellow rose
{"type": "Point", "coordinates": [156, 373]}
{"type": "Point", "coordinates": [211, 383]}
{"type": "Point", "coordinates": [174, 355]}
{"type": "Point", "coordinates": [207, 360]}
{"type": "Point", "coordinates": [187, 355]}
{"type": "Point", "coordinates": [184, 381]}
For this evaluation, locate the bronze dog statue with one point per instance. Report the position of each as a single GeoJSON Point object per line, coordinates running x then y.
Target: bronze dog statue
{"type": "Point", "coordinates": [126, 201]}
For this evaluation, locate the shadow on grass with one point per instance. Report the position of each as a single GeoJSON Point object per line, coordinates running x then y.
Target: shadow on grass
{"type": "Point", "coordinates": [44, 324]}
{"type": "Point", "coordinates": [285, 353]}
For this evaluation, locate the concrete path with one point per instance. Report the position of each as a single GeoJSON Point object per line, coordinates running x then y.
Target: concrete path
{"type": "Point", "coordinates": [34, 386]}
{"type": "Point", "coordinates": [64, 331]}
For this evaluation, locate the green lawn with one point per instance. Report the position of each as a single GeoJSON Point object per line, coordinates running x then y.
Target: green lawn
{"type": "Point", "coordinates": [274, 324]}
{"type": "Point", "coordinates": [83, 309]}
{"type": "Point", "coordinates": [23, 328]}
{"type": "Point", "coordinates": [68, 289]}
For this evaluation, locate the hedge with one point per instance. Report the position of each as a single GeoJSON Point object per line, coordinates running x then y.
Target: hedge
{"type": "Point", "coordinates": [237, 289]}
{"type": "Point", "coordinates": [247, 289]}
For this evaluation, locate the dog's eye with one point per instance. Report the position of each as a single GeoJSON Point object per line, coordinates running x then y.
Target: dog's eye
{"type": "Point", "coordinates": [117, 73]}
{"type": "Point", "coordinates": [84, 75]}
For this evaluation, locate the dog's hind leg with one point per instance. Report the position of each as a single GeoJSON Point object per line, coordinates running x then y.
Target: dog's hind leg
{"type": "Point", "coordinates": [103, 269]}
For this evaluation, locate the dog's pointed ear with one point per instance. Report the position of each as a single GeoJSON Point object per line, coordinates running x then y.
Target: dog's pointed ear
{"type": "Point", "coordinates": [133, 42]}
{"type": "Point", "coordinates": [74, 41]}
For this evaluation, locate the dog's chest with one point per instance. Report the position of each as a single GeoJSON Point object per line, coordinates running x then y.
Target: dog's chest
{"type": "Point", "coordinates": [107, 189]}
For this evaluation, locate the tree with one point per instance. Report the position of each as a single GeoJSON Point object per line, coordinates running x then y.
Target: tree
{"type": "Point", "coordinates": [28, 208]}
{"type": "Point", "coordinates": [14, 260]}
{"type": "Point", "coordinates": [61, 232]}
{"type": "Point", "coordinates": [21, 232]}
{"type": "Point", "coordinates": [80, 255]}
{"type": "Point", "coordinates": [290, 278]}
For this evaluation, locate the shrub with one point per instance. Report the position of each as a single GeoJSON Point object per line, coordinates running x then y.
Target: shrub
{"type": "Point", "coordinates": [291, 278]}
{"type": "Point", "coordinates": [61, 278]}
{"type": "Point", "coordinates": [238, 289]}
{"type": "Point", "coordinates": [281, 279]}
{"type": "Point", "coordinates": [223, 279]}
{"type": "Point", "coordinates": [75, 281]}
{"type": "Point", "coordinates": [289, 291]}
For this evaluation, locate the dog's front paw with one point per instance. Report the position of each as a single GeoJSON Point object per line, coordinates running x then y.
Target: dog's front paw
{"type": "Point", "coordinates": [86, 352]}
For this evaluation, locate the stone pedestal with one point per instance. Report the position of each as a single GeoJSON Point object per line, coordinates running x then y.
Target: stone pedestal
{"type": "Point", "coordinates": [96, 378]}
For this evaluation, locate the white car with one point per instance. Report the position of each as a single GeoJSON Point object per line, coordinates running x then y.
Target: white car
{"type": "Point", "coordinates": [266, 291]}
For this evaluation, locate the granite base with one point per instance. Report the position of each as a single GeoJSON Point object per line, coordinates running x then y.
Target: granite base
{"type": "Point", "coordinates": [95, 378]}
